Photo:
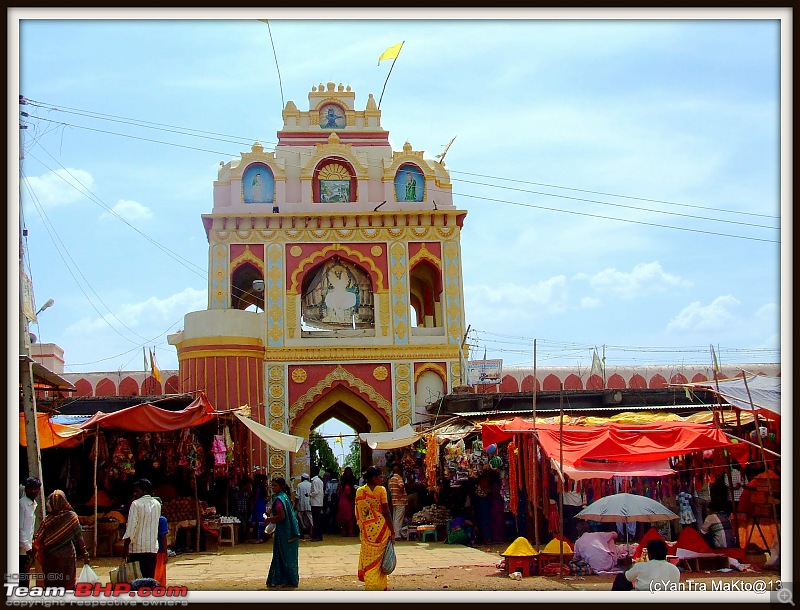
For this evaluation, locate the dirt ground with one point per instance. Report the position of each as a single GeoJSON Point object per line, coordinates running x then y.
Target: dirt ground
{"type": "Point", "coordinates": [456, 578]}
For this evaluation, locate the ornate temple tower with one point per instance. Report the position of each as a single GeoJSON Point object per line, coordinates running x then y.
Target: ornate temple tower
{"type": "Point", "coordinates": [349, 254]}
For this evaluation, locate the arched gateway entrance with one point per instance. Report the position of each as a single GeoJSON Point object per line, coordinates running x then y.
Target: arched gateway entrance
{"type": "Point", "coordinates": [347, 406]}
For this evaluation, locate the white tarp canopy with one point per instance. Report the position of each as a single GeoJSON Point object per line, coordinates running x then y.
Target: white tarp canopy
{"type": "Point", "coordinates": [599, 470]}
{"type": "Point", "coordinates": [391, 440]}
{"type": "Point", "coordinates": [273, 438]}
{"type": "Point", "coordinates": [764, 390]}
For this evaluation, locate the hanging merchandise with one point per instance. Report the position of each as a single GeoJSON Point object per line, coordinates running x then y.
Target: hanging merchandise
{"type": "Point", "coordinates": [145, 447]}
{"type": "Point", "coordinates": [122, 460]}
{"type": "Point", "coordinates": [100, 447]}
{"type": "Point", "coordinates": [431, 455]}
{"type": "Point", "coordinates": [513, 492]}
{"type": "Point", "coordinates": [190, 451]}
{"type": "Point", "coordinates": [229, 444]}
{"type": "Point", "coordinates": [220, 451]}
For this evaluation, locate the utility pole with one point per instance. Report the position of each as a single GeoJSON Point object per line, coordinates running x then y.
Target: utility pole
{"type": "Point", "coordinates": [26, 362]}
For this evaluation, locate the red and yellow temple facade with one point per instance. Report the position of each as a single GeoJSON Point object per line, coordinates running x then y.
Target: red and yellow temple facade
{"type": "Point", "coordinates": [334, 284]}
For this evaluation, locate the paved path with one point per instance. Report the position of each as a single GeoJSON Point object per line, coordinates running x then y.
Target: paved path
{"type": "Point", "coordinates": [335, 557]}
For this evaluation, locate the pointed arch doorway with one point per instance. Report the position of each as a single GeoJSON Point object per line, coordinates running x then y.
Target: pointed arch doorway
{"type": "Point", "coordinates": [342, 403]}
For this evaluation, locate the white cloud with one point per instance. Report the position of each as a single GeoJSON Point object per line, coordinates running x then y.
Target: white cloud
{"type": "Point", "coordinates": [697, 317]}
{"type": "Point", "coordinates": [61, 187]}
{"type": "Point", "coordinates": [590, 303]}
{"type": "Point", "coordinates": [150, 314]}
{"type": "Point", "coordinates": [550, 294]}
{"type": "Point", "coordinates": [644, 279]}
{"type": "Point", "coordinates": [129, 210]}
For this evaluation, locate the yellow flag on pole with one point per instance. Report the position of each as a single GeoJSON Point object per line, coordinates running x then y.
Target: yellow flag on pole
{"type": "Point", "coordinates": [156, 372]}
{"type": "Point", "coordinates": [391, 53]}
{"type": "Point", "coordinates": [339, 439]}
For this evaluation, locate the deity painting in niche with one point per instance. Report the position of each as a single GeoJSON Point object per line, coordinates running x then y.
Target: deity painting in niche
{"type": "Point", "coordinates": [258, 184]}
{"type": "Point", "coordinates": [409, 184]}
{"type": "Point", "coordinates": [338, 296]}
{"type": "Point", "coordinates": [331, 116]}
{"type": "Point", "coordinates": [334, 184]}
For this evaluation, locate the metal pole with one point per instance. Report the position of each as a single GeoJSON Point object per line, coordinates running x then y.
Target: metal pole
{"type": "Point", "coordinates": [563, 482]}
{"type": "Point", "coordinates": [96, 451]}
{"type": "Point", "coordinates": [763, 457]}
{"type": "Point", "coordinates": [535, 460]}
{"type": "Point", "coordinates": [26, 362]}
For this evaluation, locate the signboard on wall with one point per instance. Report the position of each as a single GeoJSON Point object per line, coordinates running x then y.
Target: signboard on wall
{"type": "Point", "coordinates": [482, 372]}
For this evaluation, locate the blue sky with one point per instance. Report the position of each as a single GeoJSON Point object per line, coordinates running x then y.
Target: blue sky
{"type": "Point", "coordinates": [579, 142]}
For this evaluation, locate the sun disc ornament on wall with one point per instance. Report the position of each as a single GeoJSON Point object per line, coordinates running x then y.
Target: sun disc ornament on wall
{"type": "Point", "coordinates": [376, 251]}
{"type": "Point", "coordinates": [299, 375]}
{"type": "Point", "coordinates": [380, 373]}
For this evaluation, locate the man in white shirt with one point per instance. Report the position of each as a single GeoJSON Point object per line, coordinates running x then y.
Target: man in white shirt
{"type": "Point", "coordinates": [317, 500]}
{"type": "Point", "coordinates": [304, 517]}
{"type": "Point", "coordinates": [27, 516]}
{"type": "Point", "coordinates": [141, 533]}
{"type": "Point", "coordinates": [738, 483]}
{"type": "Point", "coordinates": [657, 574]}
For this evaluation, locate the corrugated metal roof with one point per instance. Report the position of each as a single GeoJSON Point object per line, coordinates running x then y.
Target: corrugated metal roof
{"type": "Point", "coordinates": [552, 412]}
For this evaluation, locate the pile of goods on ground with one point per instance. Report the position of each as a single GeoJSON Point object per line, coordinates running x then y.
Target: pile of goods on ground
{"type": "Point", "coordinates": [179, 509]}
{"type": "Point", "coordinates": [431, 515]}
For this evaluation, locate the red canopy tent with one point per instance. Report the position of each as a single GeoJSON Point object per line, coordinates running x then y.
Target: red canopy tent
{"type": "Point", "coordinates": [146, 417]}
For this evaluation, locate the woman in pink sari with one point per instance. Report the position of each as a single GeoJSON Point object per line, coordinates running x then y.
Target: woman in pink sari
{"type": "Point", "coordinates": [345, 514]}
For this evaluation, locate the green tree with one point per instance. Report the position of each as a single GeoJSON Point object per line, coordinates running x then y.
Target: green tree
{"type": "Point", "coordinates": [353, 459]}
{"type": "Point", "coordinates": [321, 453]}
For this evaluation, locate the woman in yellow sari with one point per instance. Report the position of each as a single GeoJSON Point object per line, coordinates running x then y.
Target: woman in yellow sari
{"type": "Point", "coordinates": [376, 530]}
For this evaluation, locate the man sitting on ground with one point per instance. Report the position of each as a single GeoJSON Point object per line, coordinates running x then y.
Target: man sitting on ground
{"type": "Point", "coordinates": [657, 574]}
{"type": "Point", "coordinates": [598, 549]}
{"type": "Point", "coordinates": [717, 529]}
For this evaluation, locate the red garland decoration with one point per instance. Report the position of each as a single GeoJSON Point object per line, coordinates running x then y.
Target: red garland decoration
{"type": "Point", "coordinates": [513, 492]}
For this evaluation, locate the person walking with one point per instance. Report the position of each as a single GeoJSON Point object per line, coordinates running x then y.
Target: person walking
{"type": "Point", "coordinates": [284, 571]}
{"type": "Point", "coordinates": [377, 530]}
{"type": "Point", "coordinates": [27, 517]}
{"type": "Point", "coordinates": [56, 541]}
{"type": "Point", "coordinates": [141, 532]}
{"type": "Point", "coordinates": [304, 516]}
{"type": "Point", "coordinates": [345, 514]}
{"type": "Point", "coordinates": [398, 498]}
{"type": "Point", "coordinates": [317, 500]}
{"type": "Point", "coordinates": [161, 558]}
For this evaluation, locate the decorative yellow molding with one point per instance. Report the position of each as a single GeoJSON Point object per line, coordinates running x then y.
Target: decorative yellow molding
{"type": "Point", "coordinates": [385, 226]}
{"type": "Point", "coordinates": [383, 299]}
{"type": "Point", "coordinates": [247, 257]}
{"type": "Point", "coordinates": [291, 315]}
{"type": "Point", "coordinates": [424, 254]}
{"type": "Point", "coordinates": [362, 353]}
{"type": "Point", "coordinates": [184, 356]}
{"type": "Point", "coordinates": [320, 255]}
{"type": "Point", "coordinates": [221, 341]}
{"type": "Point", "coordinates": [340, 374]}
{"type": "Point", "coordinates": [429, 366]}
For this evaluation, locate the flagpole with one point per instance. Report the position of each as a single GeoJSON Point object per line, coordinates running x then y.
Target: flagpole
{"type": "Point", "coordinates": [388, 75]}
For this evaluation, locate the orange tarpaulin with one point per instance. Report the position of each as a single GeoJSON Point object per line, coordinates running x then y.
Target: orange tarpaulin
{"type": "Point", "coordinates": [147, 417]}
{"type": "Point", "coordinates": [50, 434]}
